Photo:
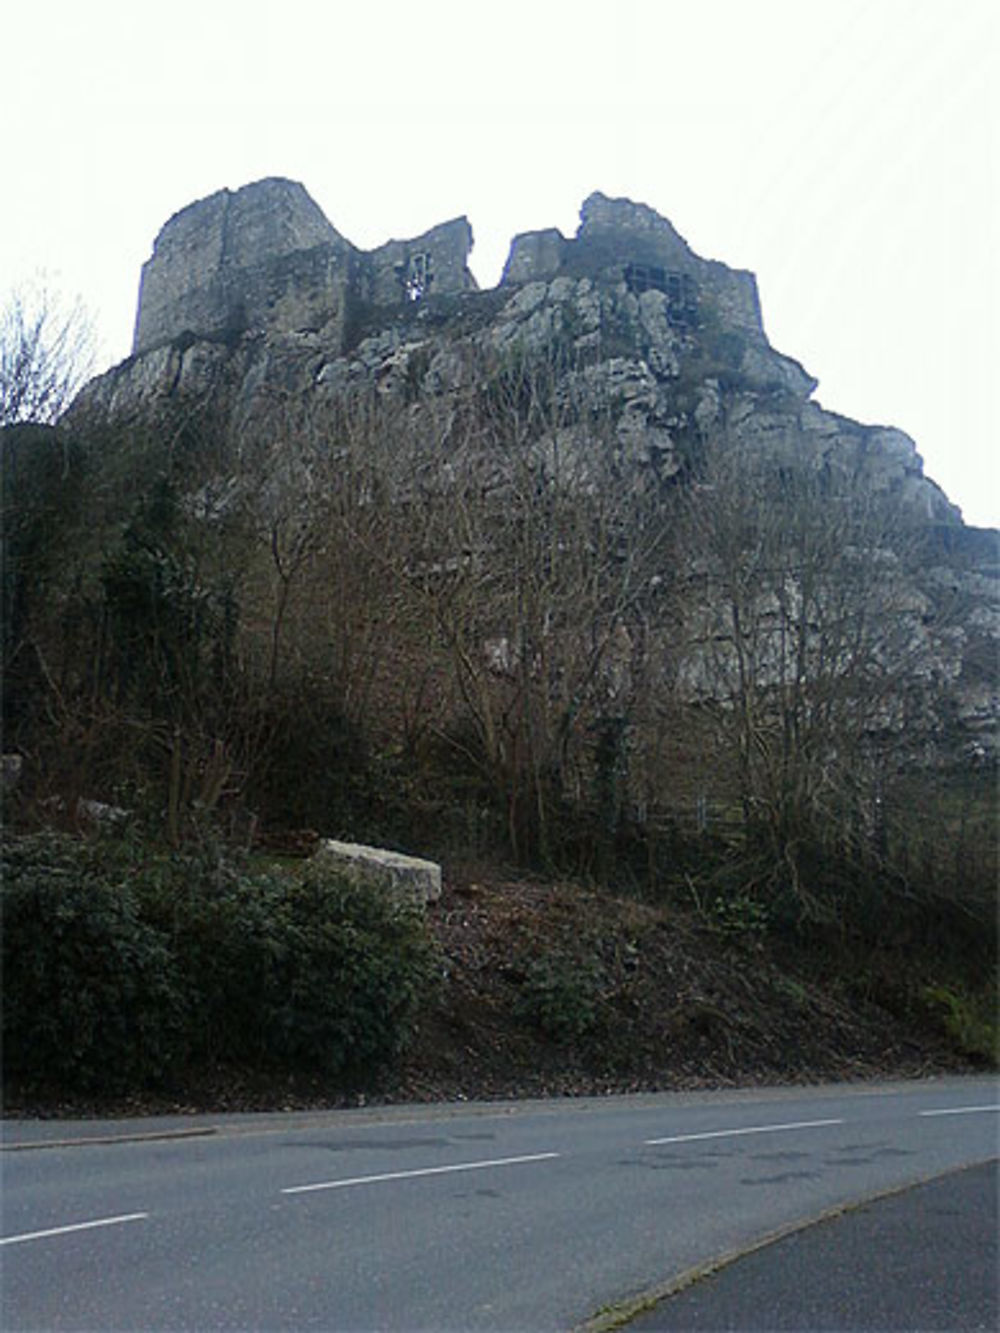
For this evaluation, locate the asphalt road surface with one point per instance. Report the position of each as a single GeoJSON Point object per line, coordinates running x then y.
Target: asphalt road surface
{"type": "Point", "coordinates": [513, 1216]}
{"type": "Point", "coordinates": [924, 1258]}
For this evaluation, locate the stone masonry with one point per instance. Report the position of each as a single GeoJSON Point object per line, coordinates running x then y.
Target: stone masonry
{"type": "Point", "coordinates": [265, 258]}
{"type": "Point", "coordinates": [619, 241]}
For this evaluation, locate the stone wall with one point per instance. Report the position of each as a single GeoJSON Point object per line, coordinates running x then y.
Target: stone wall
{"type": "Point", "coordinates": [265, 257]}
{"type": "Point", "coordinates": [622, 243]}
{"type": "Point", "coordinates": [229, 262]}
{"type": "Point", "coordinates": [433, 264]}
{"type": "Point", "coordinates": [535, 256]}
{"type": "Point", "coordinates": [644, 230]}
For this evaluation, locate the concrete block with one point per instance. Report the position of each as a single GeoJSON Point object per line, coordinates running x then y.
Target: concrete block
{"type": "Point", "coordinates": [405, 877]}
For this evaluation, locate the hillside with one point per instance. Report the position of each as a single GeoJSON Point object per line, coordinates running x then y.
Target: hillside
{"type": "Point", "coordinates": [297, 377]}
{"type": "Point", "coordinates": [572, 580]}
{"type": "Point", "coordinates": [550, 989]}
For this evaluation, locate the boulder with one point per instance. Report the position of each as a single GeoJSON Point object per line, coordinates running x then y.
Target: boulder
{"type": "Point", "coordinates": [407, 878]}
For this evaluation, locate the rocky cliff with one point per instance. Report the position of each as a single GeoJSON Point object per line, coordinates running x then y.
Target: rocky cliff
{"type": "Point", "coordinates": [244, 282]}
{"type": "Point", "coordinates": [253, 295]}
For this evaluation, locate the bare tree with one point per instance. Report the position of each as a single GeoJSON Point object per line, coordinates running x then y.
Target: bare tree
{"type": "Point", "coordinates": [533, 556]}
{"type": "Point", "coordinates": [46, 354]}
{"type": "Point", "coordinates": [803, 635]}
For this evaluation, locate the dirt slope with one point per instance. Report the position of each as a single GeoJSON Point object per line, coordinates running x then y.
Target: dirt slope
{"type": "Point", "coordinates": [553, 989]}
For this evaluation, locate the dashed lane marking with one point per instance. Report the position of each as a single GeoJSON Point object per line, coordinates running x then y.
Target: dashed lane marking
{"type": "Point", "coordinates": [751, 1129]}
{"type": "Point", "coordinates": [73, 1226]}
{"type": "Point", "coordinates": [960, 1110]}
{"type": "Point", "coordinates": [421, 1171]}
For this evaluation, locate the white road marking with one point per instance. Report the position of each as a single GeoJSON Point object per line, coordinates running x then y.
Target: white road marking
{"type": "Point", "coordinates": [753, 1129]}
{"type": "Point", "coordinates": [961, 1110]}
{"type": "Point", "coordinates": [75, 1226]}
{"type": "Point", "coordinates": [421, 1171]}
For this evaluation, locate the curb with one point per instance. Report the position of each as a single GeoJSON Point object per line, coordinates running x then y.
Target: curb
{"type": "Point", "coordinates": [620, 1314]}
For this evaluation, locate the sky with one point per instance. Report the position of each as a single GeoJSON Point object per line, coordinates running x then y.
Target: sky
{"type": "Point", "coordinates": [846, 151]}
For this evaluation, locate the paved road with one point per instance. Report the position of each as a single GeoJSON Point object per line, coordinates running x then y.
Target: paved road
{"type": "Point", "coordinates": [524, 1216]}
{"type": "Point", "coordinates": [924, 1258]}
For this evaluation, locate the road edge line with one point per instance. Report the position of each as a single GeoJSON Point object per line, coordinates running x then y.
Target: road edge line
{"type": "Point", "coordinates": [104, 1140]}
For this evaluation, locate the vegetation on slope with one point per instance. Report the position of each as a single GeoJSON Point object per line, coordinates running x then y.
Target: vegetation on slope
{"type": "Point", "coordinates": [699, 716]}
{"type": "Point", "coordinates": [127, 969]}
{"type": "Point", "coordinates": [140, 979]}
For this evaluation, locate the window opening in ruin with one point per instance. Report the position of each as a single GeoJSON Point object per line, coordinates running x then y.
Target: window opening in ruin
{"type": "Point", "coordinates": [416, 276]}
{"type": "Point", "coordinates": [682, 302]}
{"type": "Point", "coordinates": [678, 288]}
{"type": "Point", "coordinates": [645, 278]}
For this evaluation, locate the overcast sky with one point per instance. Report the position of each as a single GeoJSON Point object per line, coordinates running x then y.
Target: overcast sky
{"type": "Point", "coordinates": [844, 150]}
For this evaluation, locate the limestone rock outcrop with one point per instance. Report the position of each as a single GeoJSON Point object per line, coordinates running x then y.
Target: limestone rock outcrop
{"type": "Point", "coordinates": [252, 295]}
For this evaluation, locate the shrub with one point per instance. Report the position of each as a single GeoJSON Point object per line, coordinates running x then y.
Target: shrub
{"type": "Point", "coordinates": [561, 996]}
{"type": "Point", "coordinates": [227, 936]}
{"type": "Point", "coordinates": [739, 914]}
{"type": "Point", "coordinates": [348, 983]}
{"type": "Point", "coordinates": [301, 970]}
{"type": "Point", "coordinates": [90, 990]}
{"type": "Point", "coordinates": [969, 1020]}
{"type": "Point", "coordinates": [123, 962]}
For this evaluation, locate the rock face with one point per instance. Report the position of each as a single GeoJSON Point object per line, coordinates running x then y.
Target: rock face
{"type": "Point", "coordinates": [265, 257]}
{"type": "Point", "coordinates": [252, 296]}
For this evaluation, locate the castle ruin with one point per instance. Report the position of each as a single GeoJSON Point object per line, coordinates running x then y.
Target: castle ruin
{"type": "Point", "coordinates": [264, 257]}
